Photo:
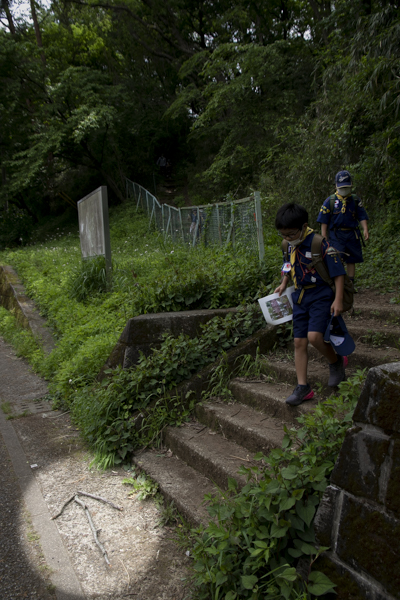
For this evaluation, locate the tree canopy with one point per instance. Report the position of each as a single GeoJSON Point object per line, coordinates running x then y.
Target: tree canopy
{"type": "Point", "coordinates": [277, 94]}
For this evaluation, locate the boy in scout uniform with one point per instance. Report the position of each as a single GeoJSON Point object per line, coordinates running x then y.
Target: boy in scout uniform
{"type": "Point", "coordinates": [340, 216]}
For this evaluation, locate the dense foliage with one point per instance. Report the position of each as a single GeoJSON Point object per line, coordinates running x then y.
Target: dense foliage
{"type": "Point", "coordinates": [276, 95]}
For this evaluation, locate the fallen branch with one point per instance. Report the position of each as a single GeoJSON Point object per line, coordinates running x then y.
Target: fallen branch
{"type": "Point", "coordinates": [64, 505]}
{"type": "Point", "coordinates": [94, 531]}
{"type": "Point", "coordinates": [100, 498]}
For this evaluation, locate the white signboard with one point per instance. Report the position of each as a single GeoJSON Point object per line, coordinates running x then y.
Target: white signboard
{"type": "Point", "coordinates": [94, 230]}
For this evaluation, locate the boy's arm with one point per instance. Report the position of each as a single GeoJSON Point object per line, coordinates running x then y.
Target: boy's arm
{"type": "Point", "coordinates": [364, 225]}
{"type": "Point", "coordinates": [337, 304]}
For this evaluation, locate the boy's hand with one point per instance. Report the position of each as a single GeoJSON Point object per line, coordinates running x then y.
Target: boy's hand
{"type": "Point", "coordinates": [279, 290]}
{"type": "Point", "coordinates": [337, 307]}
{"type": "Point", "coordinates": [364, 225]}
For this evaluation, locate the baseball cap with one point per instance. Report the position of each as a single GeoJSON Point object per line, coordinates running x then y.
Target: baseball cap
{"type": "Point", "coordinates": [337, 335]}
{"type": "Point", "coordinates": [343, 179]}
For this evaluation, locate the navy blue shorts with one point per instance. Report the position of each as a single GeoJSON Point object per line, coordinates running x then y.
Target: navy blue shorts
{"type": "Point", "coordinates": [348, 242]}
{"type": "Point", "coordinates": [313, 312]}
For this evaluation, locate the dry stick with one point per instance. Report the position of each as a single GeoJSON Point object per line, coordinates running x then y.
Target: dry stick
{"type": "Point", "coordinates": [126, 571]}
{"type": "Point", "coordinates": [100, 498]}
{"type": "Point", "coordinates": [93, 528]}
{"type": "Point", "coordinates": [64, 505]}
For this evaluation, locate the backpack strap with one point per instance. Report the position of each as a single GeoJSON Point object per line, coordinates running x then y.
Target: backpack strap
{"type": "Point", "coordinates": [285, 250]}
{"type": "Point", "coordinates": [332, 202]}
{"type": "Point", "coordinates": [318, 262]}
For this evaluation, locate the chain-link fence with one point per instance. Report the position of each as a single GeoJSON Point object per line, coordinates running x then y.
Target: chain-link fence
{"type": "Point", "coordinates": [238, 221]}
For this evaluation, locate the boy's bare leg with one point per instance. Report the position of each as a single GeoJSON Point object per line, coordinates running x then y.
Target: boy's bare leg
{"type": "Point", "coordinates": [317, 340]}
{"type": "Point", "coordinates": [351, 269]}
{"type": "Point", "coordinates": [301, 359]}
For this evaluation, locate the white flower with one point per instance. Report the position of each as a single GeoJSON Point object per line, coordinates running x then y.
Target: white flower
{"type": "Point", "coordinates": [172, 251]}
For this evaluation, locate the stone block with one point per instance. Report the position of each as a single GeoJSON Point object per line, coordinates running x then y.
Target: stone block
{"type": "Point", "coordinates": [362, 459]}
{"type": "Point", "coordinates": [150, 329]}
{"type": "Point", "coordinates": [393, 487]}
{"type": "Point", "coordinates": [379, 402]}
{"type": "Point", "coordinates": [349, 585]}
{"type": "Point", "coordinates": [325, 517]}
{"type": "Point", "coordinates": [369, 542]}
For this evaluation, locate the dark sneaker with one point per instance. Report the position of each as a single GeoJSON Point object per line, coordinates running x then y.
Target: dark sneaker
{"type": "Point", "coordinates": [337, 371]}
{"type": "Point", "coordinates": [299, 395]}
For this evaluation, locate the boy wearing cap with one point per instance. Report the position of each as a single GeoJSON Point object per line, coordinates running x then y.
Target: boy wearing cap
{"type": "Point", "coordinates": [313, 299]}
{"type": "Point", "coordinates": [341, 214]}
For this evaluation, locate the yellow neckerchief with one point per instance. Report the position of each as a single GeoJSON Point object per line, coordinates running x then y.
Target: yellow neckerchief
{"type": "Point", "coordinates": [344, 200]}
{"type": "Point", "coordinates": [293, 257]}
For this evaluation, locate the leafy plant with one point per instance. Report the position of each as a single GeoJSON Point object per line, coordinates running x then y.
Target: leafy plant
{"type": "Point", "coordinates": [113, 415]}
{"type": "Point", "coordinates": [89, 279]}
{"type": "Point", "coordinates": [143, 486]}
{"type": "Point", "coordinates": [259, 533]}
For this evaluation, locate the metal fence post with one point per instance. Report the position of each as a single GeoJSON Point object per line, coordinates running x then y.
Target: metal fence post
{"type": "Point", "coordinates": [260, 236]}
{"type": "Point", "coordinates": [219, 226]}
{"type": "Point", "coordinates": [180, 219]}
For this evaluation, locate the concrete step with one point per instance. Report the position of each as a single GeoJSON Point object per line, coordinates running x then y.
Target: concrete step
{"type": "Point", "coordinates": [270, 399]}
{"type": "Point", "coordinates": [364, 356]}
{"type": "Point", "coordinates": [178, 483]}
{"type": "Point", "coordinates": [282, 369]}
{"type": "Point", "coordinates": [373, 332]}
{"type": "Point", "coordinates": [249, 428]}
{"type": "Point", "coordinates": [208, 452]}
{"type": "Point", "coordinates": [386, 312]}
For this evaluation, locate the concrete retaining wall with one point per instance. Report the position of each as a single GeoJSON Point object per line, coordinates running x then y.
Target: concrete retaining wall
{"type": "Point", "coordinates": [359, 516]}
{"type": "Point", "coordinates": [145, 332]}
{"type": "Point", "coordinates": [13, 297]}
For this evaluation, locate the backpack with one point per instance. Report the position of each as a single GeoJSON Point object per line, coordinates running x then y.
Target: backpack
{"type": "Point", "coordinates": [322, 270]}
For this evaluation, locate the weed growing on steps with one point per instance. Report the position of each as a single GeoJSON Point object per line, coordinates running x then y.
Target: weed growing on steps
{"type": "Point", "coordinates": [143, 486]}
{"type": "Point", "coordinates": [112, 416]}
{"type": "Point", "coordinates": [260, 533]}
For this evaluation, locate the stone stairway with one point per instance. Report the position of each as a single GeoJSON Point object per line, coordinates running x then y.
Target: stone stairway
{"type": "Point", "coordinates": [222, 436]}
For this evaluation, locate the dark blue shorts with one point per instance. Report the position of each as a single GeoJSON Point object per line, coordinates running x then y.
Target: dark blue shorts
{"type": "Point", "coordinates": [348, 242]}
{"type": "Point", "coordinates": [313, 312]}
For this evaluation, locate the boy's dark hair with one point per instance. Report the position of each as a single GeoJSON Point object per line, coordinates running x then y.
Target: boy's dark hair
{"type": "Point", "coordinates": [291, 215]}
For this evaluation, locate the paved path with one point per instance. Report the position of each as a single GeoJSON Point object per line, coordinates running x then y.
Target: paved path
{"type": "Point", "coordinates": [24, 517]}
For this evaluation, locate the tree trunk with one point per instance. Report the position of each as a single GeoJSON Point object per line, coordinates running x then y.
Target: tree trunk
{"type": "Point", "coordinates": [6, 8]}
{"type": "Point", "coordinates": [37, 31]}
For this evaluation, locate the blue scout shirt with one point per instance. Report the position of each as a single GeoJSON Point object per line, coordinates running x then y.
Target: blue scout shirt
{"type": "Point", "coordinates": [303, 276]}
{"type": "Point", "coordinates": [346, 213]}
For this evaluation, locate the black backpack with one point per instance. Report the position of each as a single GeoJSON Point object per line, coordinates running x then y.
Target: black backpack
{"type": "Point", "coordinates": [318, 263]}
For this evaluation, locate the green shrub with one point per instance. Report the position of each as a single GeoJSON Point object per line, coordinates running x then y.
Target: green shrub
{"type": "Point", "coordinates": [107, 413]}
{"type": "Point", "coordinates": [89, 278]}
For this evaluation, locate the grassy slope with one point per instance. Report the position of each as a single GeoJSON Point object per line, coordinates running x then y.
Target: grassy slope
{"type": "Point", "coordinates": [143, 263]}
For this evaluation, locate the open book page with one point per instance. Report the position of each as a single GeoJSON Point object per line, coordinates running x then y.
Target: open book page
{"type": "Point", "coordinates": [278, 309]}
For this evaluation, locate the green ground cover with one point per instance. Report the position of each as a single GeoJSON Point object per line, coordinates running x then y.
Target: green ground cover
{"type": "Point", "coordinates": [149, 275]}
